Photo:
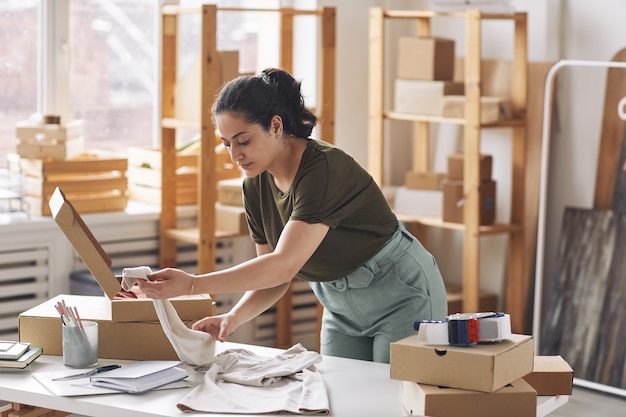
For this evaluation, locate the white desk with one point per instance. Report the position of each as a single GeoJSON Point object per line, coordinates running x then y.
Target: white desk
{"type": "Point", "coordinates": [355, 389]}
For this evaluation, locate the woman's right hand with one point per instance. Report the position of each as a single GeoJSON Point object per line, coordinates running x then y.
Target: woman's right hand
{"type": "Point", "coordinates": [220, 326]}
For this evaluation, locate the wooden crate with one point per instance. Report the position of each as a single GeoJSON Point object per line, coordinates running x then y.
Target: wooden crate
{"type": "Point", "coordinates": [58, 142]}
{"type": "Point", "coordinates": [144, 174]}
{"type": "Point", "coordinates": [94, 182]}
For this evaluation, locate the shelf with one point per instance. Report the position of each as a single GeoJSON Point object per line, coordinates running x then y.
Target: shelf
{"type": "Point", "coordinates": [492, 229]}
{"type": "Point", "coordinates": [517, 288]}
{"type": "Point", "coordinates": [411, 117]}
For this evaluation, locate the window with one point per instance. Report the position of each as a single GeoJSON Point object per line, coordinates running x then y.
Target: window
{"type": "Point", "coordinates": [18, 68]}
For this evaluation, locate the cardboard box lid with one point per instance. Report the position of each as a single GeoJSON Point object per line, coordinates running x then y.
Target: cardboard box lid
{"type": "Point", "coordinates": [84, 243]}
{"type": "Point", "coordinates": [551, 375]}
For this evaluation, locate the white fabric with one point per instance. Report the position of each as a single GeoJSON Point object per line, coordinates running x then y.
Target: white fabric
{"type": "Point", "coordinates": [239, 381]}
{"type": "Point", "coordinates": [194, 347]}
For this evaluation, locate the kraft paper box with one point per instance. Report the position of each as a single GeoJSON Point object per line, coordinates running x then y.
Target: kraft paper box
{"type": "Point", "coordinates": [423, 180]}
{"type": "Point", "coordinates": [456, 162]}
{"type": "Point", "coordinates": [424, 97]}
{"type": "Point", "coordinates": [482, 367]}
{"type": "Point", "coordinates": [425, 58]}
{"type": "Point", "coordinates": [517, 399]}
{"type": "Point", "coordinates": [41, 326]}
{"type": "Point", "coordinates": [454, 202]}
{"type": "Point", "coordinates": [99, 264]}
{"type": "Point", "coordinates": [551, 375]}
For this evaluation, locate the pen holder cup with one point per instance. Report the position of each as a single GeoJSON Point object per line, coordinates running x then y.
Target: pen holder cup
{"type": "Point", "coordinates": [80, 345]}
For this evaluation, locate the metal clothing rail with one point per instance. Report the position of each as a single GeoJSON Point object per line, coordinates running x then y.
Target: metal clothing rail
{"type": "Point", "coordinates": [543, 189]}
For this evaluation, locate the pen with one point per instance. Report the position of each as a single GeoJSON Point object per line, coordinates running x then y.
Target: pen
{"type": "Point", "coordinates": [91, 372]}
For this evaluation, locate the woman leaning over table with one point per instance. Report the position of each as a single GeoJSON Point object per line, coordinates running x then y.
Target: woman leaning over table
{"type": "Point", "coordinates": [314, 214]}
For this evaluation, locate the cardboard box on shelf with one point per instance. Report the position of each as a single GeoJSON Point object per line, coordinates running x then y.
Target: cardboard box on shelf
{"type": "Point", "coordinates": [424, 97]}
{"type": "Point", "coordinates": [483, 367]}
{"type": "Point", "coordinates": [492, 109]}
{"type": "Point", "coordinates": [230, 192]}
{"type": "Point", "coordinates": [454, 200]}
{"type": "Point", "coordinates": [425, 58]}
{"type": "Point", "coordinates": [423, 180]}
{"type": "Point", "coordinates": [456, 163]}
{"type": "Point", "coordinates": [96, 182]}
{"type": "Point", "coordinates": [517, 399]}
{"type": "Point", "coordinates": [551, 375]}
{"type": "Point", "coordinates": [231, 219]}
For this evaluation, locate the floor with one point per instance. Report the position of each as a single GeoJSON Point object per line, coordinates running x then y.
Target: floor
{"type": "Point", "coordinates": [591, 403]}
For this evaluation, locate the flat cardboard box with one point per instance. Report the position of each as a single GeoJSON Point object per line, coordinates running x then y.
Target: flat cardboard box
{"type": "Point", "coordinates": [425, 58]}
{"type": "Point", "coordinates": [454, 201]}
{"type": "Point", "coordinates": [517, 399]}
{"type": "Point", "coordinates": [99, 264]}
{"type": "Point", "coordinates": [424, 97]}
{"type": "Point", "coordinates": [41, 326]}
{"type": "Point", "coordinates": [551, 375]}
{"type": "Point", "coordinates": [484, 367]}
{"type": "Point", "coordinates": [456, 162]}
{"type": "Point", "coordinates": [492, 109]}
{"type": "Point", "coordinates": [423, 180]}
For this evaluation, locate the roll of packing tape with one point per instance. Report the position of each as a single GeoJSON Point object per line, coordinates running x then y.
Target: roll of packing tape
{"type": "Point", "coordinates": [466, 329]}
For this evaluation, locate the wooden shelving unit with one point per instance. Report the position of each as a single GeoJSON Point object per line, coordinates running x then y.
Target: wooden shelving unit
{"type": "Point", "coordinates": [205, 234]}
{"type": "Point", "coordinates": [518, 293]}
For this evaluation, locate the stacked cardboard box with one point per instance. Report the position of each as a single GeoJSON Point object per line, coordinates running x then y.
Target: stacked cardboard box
{"type": "Point", "coordinates": [484, 380]}
{"type": "Point", "coordinates": [453, 193]}
{"type": "Point", "coordinates": [231, 215]}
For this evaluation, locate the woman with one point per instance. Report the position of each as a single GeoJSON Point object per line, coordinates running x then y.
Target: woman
{"type": "Point", "coordinates": [314, 214]}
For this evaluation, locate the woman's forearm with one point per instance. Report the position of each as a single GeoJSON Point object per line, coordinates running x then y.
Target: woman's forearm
{"type": "Point", "coordinates": [253, 303]}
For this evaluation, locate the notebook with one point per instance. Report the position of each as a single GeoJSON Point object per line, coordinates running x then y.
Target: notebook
{"type": "Point", "coordinates": [12, 350]}
{"type": "Point", "coordinates": [24, 360]}
{"type": "Point", "coordinates": [140, 376]}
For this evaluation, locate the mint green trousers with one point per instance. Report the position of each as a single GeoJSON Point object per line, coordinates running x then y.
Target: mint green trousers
{"type": "Point", "coordinates": [377, 304]}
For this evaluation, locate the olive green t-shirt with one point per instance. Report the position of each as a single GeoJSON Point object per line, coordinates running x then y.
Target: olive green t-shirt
{"type": "Point", "coordinates": [330, 187]}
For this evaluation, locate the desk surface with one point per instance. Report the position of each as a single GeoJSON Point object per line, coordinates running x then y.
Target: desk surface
{"type": "Point", "coordinates": [355, 389]}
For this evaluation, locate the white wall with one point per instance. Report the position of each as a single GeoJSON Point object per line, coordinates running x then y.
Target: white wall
{"type": "Point", "coordinates": [575, 29]}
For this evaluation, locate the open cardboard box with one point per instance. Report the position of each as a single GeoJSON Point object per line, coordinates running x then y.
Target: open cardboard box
{"type": "Point", "coordinates": [123, 308]}
{"type": "Point", "coordinates": [128, 327]}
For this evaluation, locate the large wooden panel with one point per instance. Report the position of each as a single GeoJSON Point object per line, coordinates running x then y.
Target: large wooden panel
{"type": "Point", "coordinates": [585, 321]}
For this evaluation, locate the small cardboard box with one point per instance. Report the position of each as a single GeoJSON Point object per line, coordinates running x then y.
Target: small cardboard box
{"type": "Point", "coordinates": [424, 97]}
{"type": "Point", "coordinates": [423, 180]}
{"type": "Point", "coordinates": [551, 375]}
{"type": "Point", "coordinates": [230, 192]}
{"type": "Point", "coordinates": [99, 264]}
{"type": "Point", "coordinates": [518, 399]}
{"type": "Point", "coordinates": [492, 109]}
{"type": "Point", "coordinates": [425, 58]}
{"type": "Point", "coordinates": [483, 367]}
{"type": "Point", "coordinates": [41, 326]}
{"type": "Point", "coordinates": [454, 201]}
{"type": "Point", "coordinates": [231, 219]}
{"type": "Point", "coordinates": [456, 162]}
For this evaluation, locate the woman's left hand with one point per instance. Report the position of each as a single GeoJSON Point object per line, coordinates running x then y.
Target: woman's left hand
{"type": "Point", "coordinates": [167, 283]}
